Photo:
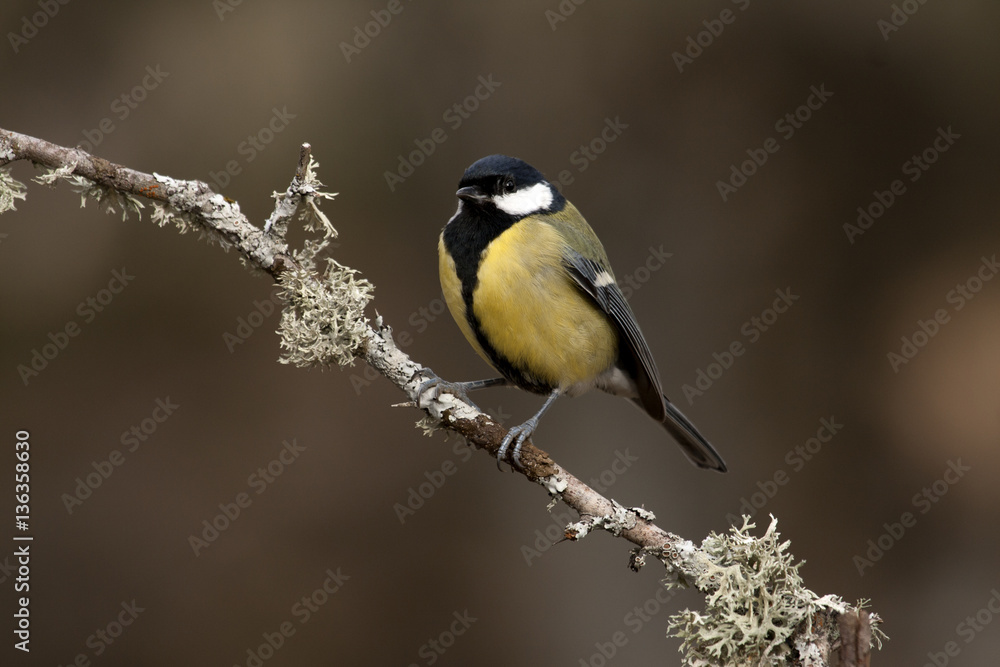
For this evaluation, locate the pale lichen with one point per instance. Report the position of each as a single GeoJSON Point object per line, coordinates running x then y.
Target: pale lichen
{"type": "Point", "coordinates": [303, 196]}
{"type": "Point", "coordinates": [312, 194]}
{"type": "Point", "coordinates": [555, 485]}
{"type": "Point", "coordinates": [50, 175]}
{"type": "Point", "coordinates": [164, 215]}
{"type": "Point", "coordinates": [756, 601]}
{"type": "Point", "coordinates": [429, 425]}
{"type": "Point", "coordinates": [192, 206]}
{"type": "Point", "coordinates": [621, 518]}
{"type": "Point", "coordinates": [11, 189]}
{"type": "Point", "coordinates": [112, 200]}
{"type": "Point", "coordinates": [323, 322]}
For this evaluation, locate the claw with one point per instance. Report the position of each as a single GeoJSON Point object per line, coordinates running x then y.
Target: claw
{"type": "Point", "coordinates": [437, 386]}
{"type": "Point", "coordinates": [430, 383]}
{"type": "Point", "coordinates": [516, 435]}
{"type": "Point", "coordinates": [519, 434]}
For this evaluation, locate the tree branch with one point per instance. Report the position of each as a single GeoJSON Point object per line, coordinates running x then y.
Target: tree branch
{"type": "Point", "coordinates": [199, 206]}
{"type": "Point", "coordinates": [758, 611]}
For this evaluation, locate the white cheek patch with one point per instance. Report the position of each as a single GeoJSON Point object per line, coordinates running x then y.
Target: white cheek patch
{"type": "Point", "coordinates": [604, 279]}
{"type": "Point", "coordinates": [459, 210]}
{"type": "Point", "coordinates": [530, 200]}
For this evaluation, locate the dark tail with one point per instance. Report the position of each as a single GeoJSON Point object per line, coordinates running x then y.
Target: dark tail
{"type": "Point", "coordinates": [695, 446]}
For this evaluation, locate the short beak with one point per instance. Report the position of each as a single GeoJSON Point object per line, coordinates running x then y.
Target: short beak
{"type": "Point", "coordinates": [472, 193]}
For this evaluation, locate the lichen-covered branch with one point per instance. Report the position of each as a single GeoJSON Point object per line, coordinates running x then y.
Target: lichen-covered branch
{"type": "Point", "coordinates": [191, 205]}
{"type": "Point", "coordinates": [758, 612]}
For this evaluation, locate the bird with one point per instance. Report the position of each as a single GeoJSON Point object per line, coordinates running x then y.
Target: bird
{"type": "Point", "coordinates": [530, 286]}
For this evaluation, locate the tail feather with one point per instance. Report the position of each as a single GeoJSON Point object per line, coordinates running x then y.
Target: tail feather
{"type": "Point", "coordinates": [698, 450]}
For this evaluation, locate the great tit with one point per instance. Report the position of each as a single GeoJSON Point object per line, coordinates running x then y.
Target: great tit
{"type": "Point", "coordinates": [530, 286]}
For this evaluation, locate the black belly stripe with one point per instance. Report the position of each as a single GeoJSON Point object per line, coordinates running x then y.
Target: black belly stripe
{"type": "Point", "coordinates": [508, 370]}
{"type": "Point", "coordinates": [465, 239]}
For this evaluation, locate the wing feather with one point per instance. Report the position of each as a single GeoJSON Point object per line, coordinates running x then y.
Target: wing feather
{"type": "Point", "coordinates": [597, 281]}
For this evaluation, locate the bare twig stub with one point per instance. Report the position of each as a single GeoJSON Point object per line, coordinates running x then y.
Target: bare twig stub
{"type": "Point", "coordinates": [757, 609]}
{"type": "Point", "coordinates": [855, 639]}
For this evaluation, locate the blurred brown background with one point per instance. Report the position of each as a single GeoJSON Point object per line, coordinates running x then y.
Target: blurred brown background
{"type": "Point", "coordinates": [201, 77]}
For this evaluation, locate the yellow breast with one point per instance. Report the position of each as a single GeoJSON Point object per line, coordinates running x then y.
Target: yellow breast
{"type": "Point", "coordinates": [531, 312]}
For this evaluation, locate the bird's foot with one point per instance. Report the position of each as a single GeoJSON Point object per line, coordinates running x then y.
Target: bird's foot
{"type": "Point", "coordinates": [433, 387]}
{"type": "Point", "coordinates": [516, 436]}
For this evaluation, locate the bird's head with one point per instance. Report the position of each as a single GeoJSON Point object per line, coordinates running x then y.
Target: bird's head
{"type": "Point", "coordinates": [508, 185]}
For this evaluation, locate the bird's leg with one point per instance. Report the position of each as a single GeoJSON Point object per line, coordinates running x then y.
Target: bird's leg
{"type": "Point", "coordinates": [460, 389]}
{"type": "Point", "coordinates": [519, 434]}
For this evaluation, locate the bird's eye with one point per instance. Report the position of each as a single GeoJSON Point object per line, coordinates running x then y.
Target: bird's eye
{"type": "Point", "coordinates": [509, 186]}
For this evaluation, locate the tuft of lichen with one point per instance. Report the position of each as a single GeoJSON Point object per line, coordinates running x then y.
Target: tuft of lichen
{"type": "Point", "coordinates": [312, 192]}
{"type": "Point", "coordinates": [323, 322]}
{"type": "Point", "coordinates": [110, 199]}
{"type": "Point", "coordinates": [429, 425]}
{"type": "Point", "coordinates": [50, 175]}
{"type": "Point", "coordinates": [303, 196]}
{"type": "Point", "coordinates": [164, 215]}
{"type": "Point", "coordinates": [10, 190]}
{"type": "Point", "coordinates": [757, 602]}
